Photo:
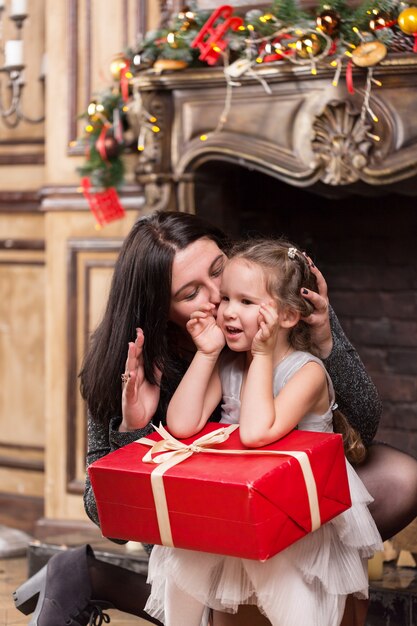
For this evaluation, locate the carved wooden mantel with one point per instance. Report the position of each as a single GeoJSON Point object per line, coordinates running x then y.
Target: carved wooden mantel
{"type": "Point", "coordinates": [305, 131]}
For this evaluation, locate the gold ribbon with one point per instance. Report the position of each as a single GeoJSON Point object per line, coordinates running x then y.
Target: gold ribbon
{"type": "Point", "coordinates": [171, 451]}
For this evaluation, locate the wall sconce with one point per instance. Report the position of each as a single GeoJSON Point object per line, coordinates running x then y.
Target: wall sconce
{"type": "Point", "coordinates": [13, 67]}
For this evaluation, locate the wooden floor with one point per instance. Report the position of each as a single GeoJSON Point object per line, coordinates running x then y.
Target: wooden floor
{"type": "Point", "coordinates": [12, 573]}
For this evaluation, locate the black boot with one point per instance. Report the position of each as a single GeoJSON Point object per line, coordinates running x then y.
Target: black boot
{"type": "Point", "coordinates": [74, 588]}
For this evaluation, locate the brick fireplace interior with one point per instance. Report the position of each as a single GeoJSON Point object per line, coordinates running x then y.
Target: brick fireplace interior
{"type": "Point", "coordinates": [365, 244]}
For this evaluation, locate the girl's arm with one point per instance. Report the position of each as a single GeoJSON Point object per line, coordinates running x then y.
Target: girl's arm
{"type": "Point", "coordinates": [265, 419]}
{"type": "Point", "coordinates": [199, 391]}
{"type": "Point", "coordinates": [102, 439]}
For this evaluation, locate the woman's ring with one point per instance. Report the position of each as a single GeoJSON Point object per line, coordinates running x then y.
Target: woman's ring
{"type": "Point", "coordinates": [125, 377]}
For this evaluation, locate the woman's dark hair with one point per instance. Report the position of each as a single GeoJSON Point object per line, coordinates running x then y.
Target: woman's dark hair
{"type": "Point", "coordinates": [140, 296]}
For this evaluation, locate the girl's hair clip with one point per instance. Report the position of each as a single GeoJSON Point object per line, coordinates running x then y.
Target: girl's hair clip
{"type": "Point", "coordinates": [292, 253]}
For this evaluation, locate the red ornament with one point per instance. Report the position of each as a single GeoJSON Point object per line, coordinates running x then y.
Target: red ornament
{"type": "Point", "coordinates": [210, 38]}
{"type": "Point", "coordinates": [104, 205]}
{"type": "Point", "coordinates": [106, 145]}
{"type": "Point", "coordinates": [275, 50]}
{"type": "Point", "coordinates": [380, 19]}
{"type": "Point", "coordinates": [328, 22]}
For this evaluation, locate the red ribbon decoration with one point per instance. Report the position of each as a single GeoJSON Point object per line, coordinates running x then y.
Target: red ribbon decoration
{"type": "Point", "coordinates": [124, 82]}
{"type": "Point", "coordinates": [100, 143]}
{"type": "Point", "coordinates": [278, 54]}
{"type": "Point", "coordinates": [104, 205]}
{"type": "Point", "coordinates": [210, 38]}
{"type": "Point", "coordinates": [415, 42]}
{"type": "Point", "coordinates": [349, 77]}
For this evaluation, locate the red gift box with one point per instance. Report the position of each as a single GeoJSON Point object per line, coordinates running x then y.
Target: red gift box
{"type": "Point", "coordinates": [228, 500]}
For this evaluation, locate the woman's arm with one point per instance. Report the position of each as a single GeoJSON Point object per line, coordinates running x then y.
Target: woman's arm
{"type": "Point", "coordinates": [102, 439]}
{"type": "Point", "coordinates": [140, 398]}
{"type": "Point", "coordinates": [356, 394]}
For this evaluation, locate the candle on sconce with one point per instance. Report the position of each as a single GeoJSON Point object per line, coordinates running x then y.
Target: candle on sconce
{"type": "Point", "coordinates": [43, 67]}
{"type": "Point", "coordinates": [18, 7]}
{"type": "Point", "coordinates": [13, 53]}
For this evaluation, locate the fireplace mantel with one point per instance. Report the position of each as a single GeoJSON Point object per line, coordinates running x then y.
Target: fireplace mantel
{"type": "Point", "coordinates": [300, 129]}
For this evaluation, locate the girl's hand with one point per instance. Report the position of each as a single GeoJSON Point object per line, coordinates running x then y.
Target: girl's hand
{"type": "Point", "coordinates": [319, 320]}
{"type": "Point", "coordinates": [139, 398]}
{"type": "Point", "coordinates": [265, 339]}
{"type": "Point", "coordinates": [207, 336]}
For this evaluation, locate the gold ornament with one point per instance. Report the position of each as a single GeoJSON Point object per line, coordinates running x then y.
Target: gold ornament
{"type": "Point", "coordinates": [169, 64]}
{"type": "Point", "coordinates": [118, 63]}
{"type": "Point", "coordinates": [187, 19]}
{"type": "Point", "coordinates": [328, 22]}
{"type": "Point", "coordinates": [308, 46]}
{"type": "Point", "coordinates": [369, 53]}
{"type": "Point", "coordinates": [407, 21]}
{"type": "Point", "coordinates": [171, 40]}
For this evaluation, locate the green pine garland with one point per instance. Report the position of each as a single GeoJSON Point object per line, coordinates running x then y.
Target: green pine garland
{"type": "Point", "coordinates": [174, 42]}
{"type": "Point", "coordinates": [109, 172]}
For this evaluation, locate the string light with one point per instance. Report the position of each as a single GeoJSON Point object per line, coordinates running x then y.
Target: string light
{"type": "Point", "coordinates": [147, 121]}
{"type": "Point", "coordinates": [336, 77]}
{"type": "Point", "coordinates": [358, 33]}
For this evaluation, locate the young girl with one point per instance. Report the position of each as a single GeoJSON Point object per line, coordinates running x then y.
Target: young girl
{"type": "Point", "coordinates": [270, 384]}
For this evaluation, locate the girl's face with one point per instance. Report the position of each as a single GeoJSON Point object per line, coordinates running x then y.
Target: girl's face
{"type": "Point", "coordinates": [242, 291]}
{"type": "Point", "coordinates": [196, 274]}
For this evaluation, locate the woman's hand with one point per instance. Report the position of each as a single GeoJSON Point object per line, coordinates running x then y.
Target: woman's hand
{"type": "Point", "coordinates": [265, 339]}
{"type": "Point", "coordinates": [140, 398]}
{"type": "Point", "coordinates": [319, 320]}
{"type": "Point", "coordinates": [207, 336]}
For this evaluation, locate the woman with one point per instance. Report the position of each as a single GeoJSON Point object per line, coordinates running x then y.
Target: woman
{"type": "Point", "coordinates": [170, 264]}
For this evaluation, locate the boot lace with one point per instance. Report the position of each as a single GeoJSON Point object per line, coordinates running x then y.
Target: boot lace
{"type": "Point", "coordinates": [98, 617]}
{"type": "Point", "coordinates": [91, 615]}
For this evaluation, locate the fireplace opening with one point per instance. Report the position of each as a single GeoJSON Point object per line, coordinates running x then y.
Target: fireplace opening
{"type": "Point", "coordinates": [365, 246]}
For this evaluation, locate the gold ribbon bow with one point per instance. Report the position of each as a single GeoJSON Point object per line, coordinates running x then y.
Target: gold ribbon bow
{"type": "Point", "coordinates": [171, 451]}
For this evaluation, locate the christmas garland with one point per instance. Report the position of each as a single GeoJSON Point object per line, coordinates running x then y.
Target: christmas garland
{"type": "Point", "coordinates": [334, 34]}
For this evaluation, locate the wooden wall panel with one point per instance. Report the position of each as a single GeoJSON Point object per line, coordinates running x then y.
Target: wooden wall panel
{"type": "Point", "coordinates": [90, 268]}
{"type": "Point", "coordinates": [22, 360]}
{"type": "Point", "coordinates": [22, 293]}
{"type": "Point", "coordinates": [80, 261]}
{"type": "Point", "coordinates": [91, 48]}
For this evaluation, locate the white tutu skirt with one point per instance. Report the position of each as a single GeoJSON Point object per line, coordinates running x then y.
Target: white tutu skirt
{"type": "Point", "coordinates": [307, 583]}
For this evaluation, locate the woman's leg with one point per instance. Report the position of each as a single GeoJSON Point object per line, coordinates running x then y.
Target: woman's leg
{"type": "Point", "coordinates": [391, 478]}
{"type": "Point", "coordinates": [355, 612]}
{"type": "Point", "coordinates": [247, 615]}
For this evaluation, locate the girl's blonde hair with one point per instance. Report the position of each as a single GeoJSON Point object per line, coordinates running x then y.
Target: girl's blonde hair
{"type": "Point", "coordinates": [287, 272]}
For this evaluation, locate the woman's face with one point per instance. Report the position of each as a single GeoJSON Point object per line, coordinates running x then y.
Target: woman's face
{"type": "Point", "coordinates": [196, 274]}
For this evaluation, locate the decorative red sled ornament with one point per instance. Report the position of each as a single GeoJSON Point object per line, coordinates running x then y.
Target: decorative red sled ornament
{"type": "Point", "coordinates": [104, 205]}
{"type": "Point", "coordinates": [210, 38]}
